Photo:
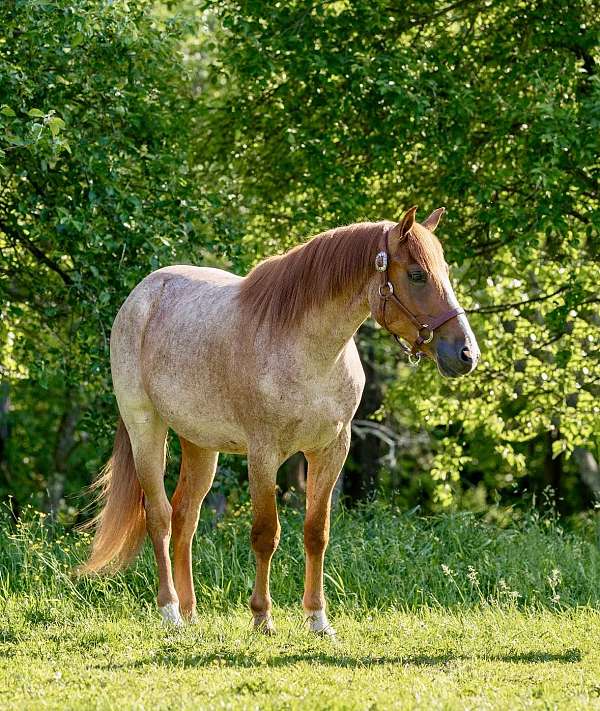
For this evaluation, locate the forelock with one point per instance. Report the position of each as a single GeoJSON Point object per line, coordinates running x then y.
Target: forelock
{"type": "Point", "coordinates": [425, 249]}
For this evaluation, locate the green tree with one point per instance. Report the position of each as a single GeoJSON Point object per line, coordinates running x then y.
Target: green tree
{"type": "Point", "coordinates": [336, 112]}
{"type": "Point", "coordinates": [97, 188]}
{"type": "Point", "coordinates": [131, 138]}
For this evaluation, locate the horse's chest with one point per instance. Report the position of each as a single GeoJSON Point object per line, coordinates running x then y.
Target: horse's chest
{"type": "Point", "coordinates": [312, 417]}
{"type": "Point", "coordinates": [319, 424]}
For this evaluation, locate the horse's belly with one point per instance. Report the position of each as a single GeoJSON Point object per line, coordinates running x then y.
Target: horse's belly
{"type": "Point", "coordinates": [209, 432]}
{"type": "Point", "coordinates": [208, 424]}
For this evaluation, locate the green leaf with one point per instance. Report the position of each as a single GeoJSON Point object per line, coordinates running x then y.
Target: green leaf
{"type": "Point", "coordinates": [558, 447]}
{"type": "Point", "coordinates": [56, 124]}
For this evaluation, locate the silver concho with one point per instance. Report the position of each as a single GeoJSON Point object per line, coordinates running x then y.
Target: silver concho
{"type": "Point", "coordinates": [381, 261]}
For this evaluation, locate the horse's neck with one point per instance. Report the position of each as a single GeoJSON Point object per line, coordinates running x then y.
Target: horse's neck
{"type": "Point", "coordinates": [329, 327]}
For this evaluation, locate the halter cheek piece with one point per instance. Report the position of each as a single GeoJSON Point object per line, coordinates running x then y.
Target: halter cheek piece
{"type": "Point", "coordinates": [425, 331]}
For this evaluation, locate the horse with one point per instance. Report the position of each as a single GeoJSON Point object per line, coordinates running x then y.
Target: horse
{"type": "Point", "coordinates": [266, 366]}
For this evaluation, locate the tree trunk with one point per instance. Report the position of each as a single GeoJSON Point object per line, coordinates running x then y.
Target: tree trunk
{"type": "Point", "coordinates": [4, 433]}
{"type": "Point", "coordinates": [589, 470]}
{"type": "Point", "coordinates": [365, 453]}
{"type": "Point", "coordinates": [553, 466]}
{"type": "Point", "coordinates": [64, 446]}
{"type": "Point", "coordinates": [294, 481]}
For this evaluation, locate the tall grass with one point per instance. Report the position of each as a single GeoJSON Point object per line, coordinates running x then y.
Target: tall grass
{"type": "Point", "coordinates": [378, 558]}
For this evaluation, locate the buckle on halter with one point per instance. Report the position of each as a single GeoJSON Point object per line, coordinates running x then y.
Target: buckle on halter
{"type": "Point", "coordinates": [381, 261]}
{"type": "Point", "coordinates": [430, 337]}
{"type": "Point", "coordinates": [389, 289]}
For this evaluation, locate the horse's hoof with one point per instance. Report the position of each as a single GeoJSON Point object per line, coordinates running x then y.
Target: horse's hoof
{"type": "Point", "coordinates": [265, 625]}
{"type": "Point", "coordinates": [319, 624]}
{"type": "Point", "coordinates": [189, 617]}
{"type": "Point", "coordinates": [328, 632]}
{"type": "Point", "coordinates": [170, 614]}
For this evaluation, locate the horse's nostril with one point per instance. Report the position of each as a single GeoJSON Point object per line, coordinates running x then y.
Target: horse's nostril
{"type": "Point", "coordinates": [465, 355]}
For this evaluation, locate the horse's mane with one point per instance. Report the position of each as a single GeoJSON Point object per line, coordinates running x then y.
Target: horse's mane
{"type": "Point", "coordinates": [281, 289]}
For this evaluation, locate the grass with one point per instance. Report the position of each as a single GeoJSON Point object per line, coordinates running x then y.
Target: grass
{"type": "Point", "coordinates": [445, 612]}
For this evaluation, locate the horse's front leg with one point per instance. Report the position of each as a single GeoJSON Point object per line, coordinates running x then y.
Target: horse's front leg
{"type": "Point", "coordinates": [324, 467]}
{"type": "Point", "coordinates": [262, 473]}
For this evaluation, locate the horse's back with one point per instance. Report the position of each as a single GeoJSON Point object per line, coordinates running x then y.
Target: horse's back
{"type": "Point", "coordinates": [178, 291]}
{"type": "Point", "coordinates": [193, 275]}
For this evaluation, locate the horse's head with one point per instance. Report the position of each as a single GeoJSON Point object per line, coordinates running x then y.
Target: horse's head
{"type": "Point", "coordinates": [412, 296]}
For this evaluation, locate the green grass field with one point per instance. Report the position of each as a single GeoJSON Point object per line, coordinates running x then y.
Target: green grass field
{"type": "Point", "coordinates": [445, 612]}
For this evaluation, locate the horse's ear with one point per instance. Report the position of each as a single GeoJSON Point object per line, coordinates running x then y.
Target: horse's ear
{"type": "Point", "coordinates": [434, 219]}
{"type": "Point", "coordinates": [399, 231]}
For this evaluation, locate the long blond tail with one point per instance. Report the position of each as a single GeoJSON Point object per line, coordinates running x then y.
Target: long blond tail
{"type": "Point", "coordinates": [120, 527]}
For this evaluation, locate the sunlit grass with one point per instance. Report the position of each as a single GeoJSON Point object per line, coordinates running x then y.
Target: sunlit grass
{"type": "Point", "coordinates": [443, 612]}
{"type": "Point", "coordinates": [378, 558]}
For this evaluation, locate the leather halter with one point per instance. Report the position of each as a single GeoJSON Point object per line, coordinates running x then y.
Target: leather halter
{"type": "Point", "coordinates": [425, 331]}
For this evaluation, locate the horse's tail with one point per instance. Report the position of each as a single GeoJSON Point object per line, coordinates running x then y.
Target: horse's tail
{"type": "Point", "coordinates": [120, 527]}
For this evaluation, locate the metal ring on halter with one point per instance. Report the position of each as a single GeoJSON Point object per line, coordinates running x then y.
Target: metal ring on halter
{"type": "Point", "coordinates": [430, 337]}
{"type": "Point", "coordinates": [389, 289]}
{"type": "Point", "coordinates": [414, 359]}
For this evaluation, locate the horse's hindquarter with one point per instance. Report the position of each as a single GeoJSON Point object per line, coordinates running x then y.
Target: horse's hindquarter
{"type": "Point", "coordinates": [178, 341]}
{"type": "Point", "coordinates": [169, 345]}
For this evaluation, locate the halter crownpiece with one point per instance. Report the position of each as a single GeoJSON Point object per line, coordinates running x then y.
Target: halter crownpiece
{"type": "Point", "coordinates": [425, 331]}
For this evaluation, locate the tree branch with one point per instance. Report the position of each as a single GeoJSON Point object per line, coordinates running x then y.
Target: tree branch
{"type": "Point", "coordinates": [37, 253]}
{"type": "Point", "coordinates": [514, 305]}
{"type": "Point", "coordinates": [423, 19]}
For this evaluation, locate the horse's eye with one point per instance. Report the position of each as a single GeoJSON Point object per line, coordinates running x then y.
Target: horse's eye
{"type": "Point", "coordinates": [417, 276]}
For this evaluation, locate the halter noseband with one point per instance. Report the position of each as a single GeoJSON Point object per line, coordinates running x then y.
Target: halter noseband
{"type": "Point", "coordinates": [425, 331]}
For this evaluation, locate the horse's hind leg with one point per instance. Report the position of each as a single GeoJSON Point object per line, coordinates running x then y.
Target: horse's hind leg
{"type": "Point", "coordinates": [195, 479]}
{"type": "Point", "coordinates": [148, 434]}
{"type": "Point", "coordinates": [324, 467]}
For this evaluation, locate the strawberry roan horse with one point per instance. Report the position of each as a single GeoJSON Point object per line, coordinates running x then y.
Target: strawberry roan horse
{"type": "Point", "coordinates": [264, 365]}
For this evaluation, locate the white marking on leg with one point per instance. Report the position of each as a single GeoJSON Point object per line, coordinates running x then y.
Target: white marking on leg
{"type": "Point", "coordinates": [318, 623]}
{"type": "Point", "coordinates": [170, 614]}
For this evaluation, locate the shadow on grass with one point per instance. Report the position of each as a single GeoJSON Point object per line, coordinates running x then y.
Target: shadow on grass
{"type": "Point", "coordinates": [537, 657]}
{"type": "Point", "coordinates": [247, 661]}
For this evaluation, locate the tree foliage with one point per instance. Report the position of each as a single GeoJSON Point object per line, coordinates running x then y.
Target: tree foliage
{"type": "Point", "coordinates": [133, 135]}
{"type": "Point", "coordinates": [341, 111]}
{"type": "Point", "coordinates": [97, 189]}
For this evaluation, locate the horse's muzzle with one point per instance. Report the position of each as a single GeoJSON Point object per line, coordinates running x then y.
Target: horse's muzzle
{"type": "Point", "coordinates": [456, 359]}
